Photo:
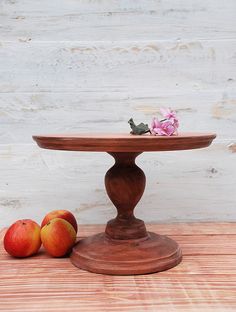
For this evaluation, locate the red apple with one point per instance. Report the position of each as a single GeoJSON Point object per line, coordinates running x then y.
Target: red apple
{"type": "Point", "coordinates": [63, 214]}
{"type": "Point", "coordinates": [58, 237]}
{"type": "Point", "coordinates": [22, 239]}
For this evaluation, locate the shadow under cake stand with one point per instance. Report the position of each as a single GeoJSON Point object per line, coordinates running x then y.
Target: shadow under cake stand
{"type": "Point", "coordinates": [126, 247]}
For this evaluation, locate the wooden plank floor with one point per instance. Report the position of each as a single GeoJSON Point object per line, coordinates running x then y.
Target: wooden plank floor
{"type": "Point", "coordinates": [204, 281]}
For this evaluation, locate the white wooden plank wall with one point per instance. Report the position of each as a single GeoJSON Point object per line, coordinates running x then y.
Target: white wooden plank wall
{"type": "Point", "coordinates": [90, 65]}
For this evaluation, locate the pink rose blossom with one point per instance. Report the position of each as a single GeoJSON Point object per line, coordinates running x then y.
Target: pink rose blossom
{"type": "Point", "coordinates": [162, 128]}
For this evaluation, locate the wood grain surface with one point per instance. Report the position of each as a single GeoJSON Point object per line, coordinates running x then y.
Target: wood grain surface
{"type": "Point", "coordinates": [86, 66]}
{"type": "Point", "coordinates": [124, 142]}
{"type": "Point", "coordinates": [121, 20]}
{"type": "Point", "coordinates": [204, 281]}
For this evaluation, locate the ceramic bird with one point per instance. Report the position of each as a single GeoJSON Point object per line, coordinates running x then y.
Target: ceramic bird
{"type": "Point", "coordinates": [138, 129]}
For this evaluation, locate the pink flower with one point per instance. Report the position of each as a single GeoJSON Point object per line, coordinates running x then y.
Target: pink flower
{"type": "Point", "coordinates": [162, 128]}
{"type": "Point", "coordinates": [170, 115]}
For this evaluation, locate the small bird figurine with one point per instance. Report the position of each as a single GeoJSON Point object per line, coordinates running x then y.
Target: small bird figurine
{"type": "Point", "coordinates": [138, 129]}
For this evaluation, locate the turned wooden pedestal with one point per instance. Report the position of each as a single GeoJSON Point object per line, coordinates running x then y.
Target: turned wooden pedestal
{"type": "Point", "coordinates": [126, 247]}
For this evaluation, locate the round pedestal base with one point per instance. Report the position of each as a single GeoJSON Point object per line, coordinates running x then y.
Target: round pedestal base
{"type": "Point", "coordinates": [101, 254]}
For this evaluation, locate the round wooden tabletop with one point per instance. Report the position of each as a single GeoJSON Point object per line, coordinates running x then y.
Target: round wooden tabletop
{"type": "Point", "coordinates": [115, 142]}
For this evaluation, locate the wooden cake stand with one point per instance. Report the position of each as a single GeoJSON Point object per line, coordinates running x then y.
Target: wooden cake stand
{"type": "Point", "coordinates": [126, 247]}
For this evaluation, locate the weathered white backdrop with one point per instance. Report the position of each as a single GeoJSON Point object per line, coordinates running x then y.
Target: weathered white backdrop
{"type": "Point", "coordinates": [90, 65]}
